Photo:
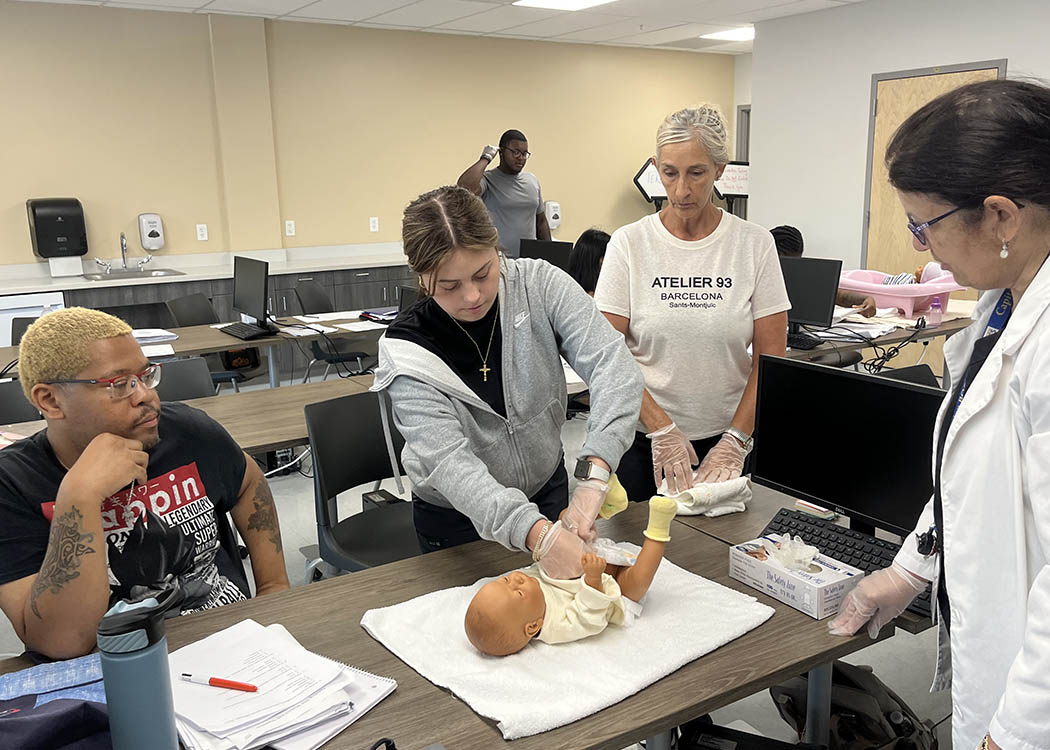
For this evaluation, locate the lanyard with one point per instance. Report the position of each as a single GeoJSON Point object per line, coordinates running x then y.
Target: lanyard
{"type": "Point", "coordinates": [997, 322]}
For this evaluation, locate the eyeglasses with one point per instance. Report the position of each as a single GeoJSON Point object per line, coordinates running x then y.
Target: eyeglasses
{"type": "Point", "coordinates": [519, 154]}
{"type": "Point", "coordinates": [919, 230]}
{"type": "Point", "coordinates": [121, 386]}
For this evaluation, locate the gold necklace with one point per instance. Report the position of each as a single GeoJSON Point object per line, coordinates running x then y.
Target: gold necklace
{"type": "Point", "coordinates": [485, 369]}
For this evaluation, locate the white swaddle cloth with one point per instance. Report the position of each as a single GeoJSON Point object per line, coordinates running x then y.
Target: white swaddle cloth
{"type": "Point", "coordinates": [712, 498]}
{"type": "Point", "coordinates": [545, 686]}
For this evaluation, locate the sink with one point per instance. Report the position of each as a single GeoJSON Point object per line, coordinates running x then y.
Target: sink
{"type": "Point", "coordinates": [145, 273]}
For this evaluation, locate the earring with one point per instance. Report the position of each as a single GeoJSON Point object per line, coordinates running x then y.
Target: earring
{"type": "Point", "coordinates": [1005, 252]}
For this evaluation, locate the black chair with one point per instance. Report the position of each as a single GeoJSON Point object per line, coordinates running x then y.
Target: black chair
{"type": "Point", "coordinates": [837, 358]}
{"type": "Point", "coordinates": [196, 310]}
{"type": "Point", "coordinates": [183, 379]}
{"type": "Point", "coordinates": [13, 404]}
{"type": "Point", "coordinates": [345, 458]}
{"type": "Point", "coordinates": [18, 328]}
{"type": "Point", "coordinates": [313, 300]}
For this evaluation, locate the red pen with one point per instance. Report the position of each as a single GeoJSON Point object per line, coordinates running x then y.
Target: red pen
{"type": "Point", "coordinates": [219, 682]}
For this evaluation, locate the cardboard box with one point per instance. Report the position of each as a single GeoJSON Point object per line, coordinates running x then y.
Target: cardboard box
{"type": "Point", "coordinates": [817, 591]}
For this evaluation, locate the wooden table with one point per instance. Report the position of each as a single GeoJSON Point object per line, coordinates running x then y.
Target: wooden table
{"type": "Point", "coordinates": [263, 420]}
{"type": "Point", "coordinates": [897, 336]}
{"type": "Point", "coordinates": [325, 618]}
{"type": "Point", "coordinates": [193, 340]}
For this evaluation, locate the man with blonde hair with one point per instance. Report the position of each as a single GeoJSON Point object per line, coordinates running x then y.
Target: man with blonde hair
{"type": "Point", "coordinates": [119, 498]}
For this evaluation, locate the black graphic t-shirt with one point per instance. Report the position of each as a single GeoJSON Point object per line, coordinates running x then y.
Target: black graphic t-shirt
{"type": "Point", "coordinates": [173, 527]}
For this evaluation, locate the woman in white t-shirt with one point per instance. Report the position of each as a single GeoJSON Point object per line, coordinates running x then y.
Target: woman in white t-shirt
{"type": "Point", "coordinates": [691, 288]}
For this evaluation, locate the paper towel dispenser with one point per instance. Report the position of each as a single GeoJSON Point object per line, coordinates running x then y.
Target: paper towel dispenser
{"type": "Point", "coordinates": [57, 228]}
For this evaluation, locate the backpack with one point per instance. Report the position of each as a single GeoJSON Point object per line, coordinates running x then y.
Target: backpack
{"type": "Point", "coordinates": [865, 713]}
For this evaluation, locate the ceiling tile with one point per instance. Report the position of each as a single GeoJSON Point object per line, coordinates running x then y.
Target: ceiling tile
{"type": "Point", "coordinates": [142, 6]}
{"type": "Point", "coordinates": [341, 10]}
{"type": "Point", "coordinates": [431, 12]}
{"type": "Point", "coordinates": [778, 11]}
{"type": "Point", "coordinates": [384, 26]}
{"type": "Point", "coordinates": [671, 34]}
{"type": "Point", "coordinates": [502, 17]}
{"type": "Point", "coordinates": [67, 2]}
{"type": "Point", "coordinates": [159, 4]}
{"type": "Point", "coordinates": [563, 23]}
{"type": "Point", "coordinates": [256, 7]}
{"type": "Point", "coordinates": [621, 28]}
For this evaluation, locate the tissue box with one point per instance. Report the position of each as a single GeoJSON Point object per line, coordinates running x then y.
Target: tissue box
{"type": "Point", "coordinates": [817, 591]}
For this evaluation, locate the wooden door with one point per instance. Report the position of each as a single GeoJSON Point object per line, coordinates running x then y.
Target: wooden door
{"type": "Point", "coordinates": [889, 247]}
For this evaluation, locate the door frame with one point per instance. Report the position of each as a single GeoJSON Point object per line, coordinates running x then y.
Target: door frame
{"type": "Point", "coordinates": [872, 104]}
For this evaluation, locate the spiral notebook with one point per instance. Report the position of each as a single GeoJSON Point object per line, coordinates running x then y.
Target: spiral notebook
{"type": "Point", "coordinates": [303, 699]}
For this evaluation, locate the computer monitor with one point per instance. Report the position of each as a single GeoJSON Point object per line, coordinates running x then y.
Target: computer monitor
{"type": "Point", "coordinates": [555, 253]}
{"type": "Point", "coordinates": [407, 297]}
{"type": "Point", "coordinates": [812, 284]}
{"type": "Point", "coordinates": [249, 287]}
{"type": "Point", "coordinates": [859, 444]}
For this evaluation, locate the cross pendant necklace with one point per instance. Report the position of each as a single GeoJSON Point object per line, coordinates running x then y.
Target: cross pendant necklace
{"type": "Point", "coordinates": [484, 369]}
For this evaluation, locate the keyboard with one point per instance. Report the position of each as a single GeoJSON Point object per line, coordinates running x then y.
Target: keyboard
{"type": "Point", "coordinates": [802, 341]}
{"type": "Point", "coordinates": [245, 331]}
{"type": "Point", "coordinates": [846, 545]}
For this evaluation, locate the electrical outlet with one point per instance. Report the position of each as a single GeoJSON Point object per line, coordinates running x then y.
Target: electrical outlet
{"type": "Point", "coordinates": [202, 232]}
{"type": "Point", "coordinates": [373, 224]}
{"type": "Point", "coordinates": [289, 228]}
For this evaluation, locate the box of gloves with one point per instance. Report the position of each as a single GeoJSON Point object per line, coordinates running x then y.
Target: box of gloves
{"type": "Point", "coordinates": [793, 572]}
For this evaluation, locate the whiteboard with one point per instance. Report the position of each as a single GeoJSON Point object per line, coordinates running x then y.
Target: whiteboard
{"type": "Point", "coordinates": [734, 182]}
{"type": "Point", "coordinates": [648, 181]}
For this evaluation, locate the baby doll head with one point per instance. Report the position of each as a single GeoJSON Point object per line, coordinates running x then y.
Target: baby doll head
{"type": "Point", "coordinates": [505, 614]}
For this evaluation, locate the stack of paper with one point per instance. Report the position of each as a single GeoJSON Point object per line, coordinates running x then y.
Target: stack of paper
{"type": "Point", "coordinates": [325, 317]}
{"type": "Point", "coordinates": [153, 335]}
{"type": "Point", "coordinates": [849, 331]}
{"type": "Point", "coordinates": [303, 699]}
{"type": "Point", "coordinates": [308, 330]}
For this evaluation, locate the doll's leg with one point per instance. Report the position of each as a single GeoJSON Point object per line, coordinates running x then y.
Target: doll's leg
{"type": "Point", "coordinates": [635, 580]}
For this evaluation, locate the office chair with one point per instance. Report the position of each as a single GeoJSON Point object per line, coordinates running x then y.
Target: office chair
{"type": "Point", "coordinates": [313, 300]}
{"type": "Point", "coordinates": [13, 404]}
{"type": "Point", "coordinates": [183, 379]}
{"type": "Point", "coordinates": [196, 310]}
{"type": "Point", "coordinates": [837, 358]}
{"type": "Point", "coordinates": [346, 458]}
{"type": "Point", "coordinates": [18, 328]}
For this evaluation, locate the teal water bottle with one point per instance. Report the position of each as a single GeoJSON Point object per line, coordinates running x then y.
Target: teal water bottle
{"type": "Point", "coordinates": [134, 654]}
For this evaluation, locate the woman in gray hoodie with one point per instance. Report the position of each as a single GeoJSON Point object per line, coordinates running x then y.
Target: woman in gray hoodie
{"type": "Point", "coordinates": [473, 374]}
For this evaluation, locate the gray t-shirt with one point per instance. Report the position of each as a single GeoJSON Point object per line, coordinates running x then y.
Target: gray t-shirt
{"type": "Point", "coordinates": [513, 201]}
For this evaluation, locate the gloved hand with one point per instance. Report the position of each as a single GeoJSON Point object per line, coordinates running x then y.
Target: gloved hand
{"type": "Point", "coordinates": [586, 501]}
{"type": "Point", "coordinates": [723, 462]}
{"type": "Point", "coordinates": [673, 458]}
{"type": "Point", "coordinates": [560, 552]}
{"type": "Point", "coordinates": [489, 153]}
{"type": "Point", "coordinates": [876, 600]}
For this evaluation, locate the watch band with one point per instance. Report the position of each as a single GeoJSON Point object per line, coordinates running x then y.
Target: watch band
{"type": "Point", "coordinates": [587, 470]}
{"type": "Point", "coordinates": [745, 440]}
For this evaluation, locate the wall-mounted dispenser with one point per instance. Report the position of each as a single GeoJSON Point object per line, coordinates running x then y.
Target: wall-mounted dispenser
{"type": "Point", "coordinates": [58, 232]}
{"type": "Point", "coordinates": [151, 232]}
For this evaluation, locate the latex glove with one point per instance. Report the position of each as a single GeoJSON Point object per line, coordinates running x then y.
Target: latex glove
{"type": "Point", "coordinates": [586, 501]}
{"type": "Point", "coordinates": [876, 600]}
{"type": "Point", "coordinates": [723, 462]}
{"type": "Point", "coordinates": [489, 153]}
{"type": "Point", "coordinates": [673, 458]}
{"type": "Point", "coordinates": [560, 552]}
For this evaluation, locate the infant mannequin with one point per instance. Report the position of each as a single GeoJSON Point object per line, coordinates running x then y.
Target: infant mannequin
{"type": "Point", "coordinates": [509, 612]}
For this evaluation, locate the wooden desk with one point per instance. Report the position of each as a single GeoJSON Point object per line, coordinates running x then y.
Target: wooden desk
{"type": "Point", "coordinates": [898, 336]}
{"type": "Point", "coordinates": [262, 420]}
{"type": "Point", "coordinates": [325, 618]}
{"type": "Point", "coordinates": [735, 528]}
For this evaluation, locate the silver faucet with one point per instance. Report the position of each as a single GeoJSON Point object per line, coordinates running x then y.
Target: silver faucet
{"type": "Point", "coordinates": [104, 264]}
{"type": "Point", "coordinates": [123, 252]}
{"type": "Point", "coordinates": [142, 263]}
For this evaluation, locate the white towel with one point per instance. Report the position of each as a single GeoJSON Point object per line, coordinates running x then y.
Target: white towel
{"type": "Point", "coordinates": [543, 686]}
{"type": "Point", "coordinates": [712, 498]}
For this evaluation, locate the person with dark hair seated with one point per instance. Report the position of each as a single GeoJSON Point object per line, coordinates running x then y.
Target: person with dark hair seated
{"type": "Point", "coordinates": [790, 244]}
{"type": "Point", "coordinates": [511, 195]}
{"type": "Point", "coordinates": [585, 260]}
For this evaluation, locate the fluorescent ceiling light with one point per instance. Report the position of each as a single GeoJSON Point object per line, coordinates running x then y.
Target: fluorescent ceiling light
{"type": "Point", "coordinates": [742, 34]}
{"type": "Point", "coordinates": [561, 4]}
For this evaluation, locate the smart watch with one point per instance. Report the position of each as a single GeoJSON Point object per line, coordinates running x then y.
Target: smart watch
{"type": "Point", "coordinates": [586, 470]}
{"type": "Point", "coordinates": [745, 440]}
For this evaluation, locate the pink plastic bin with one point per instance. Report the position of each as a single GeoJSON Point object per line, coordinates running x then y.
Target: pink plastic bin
{"type": "Point", "coordinates": [911, 299]}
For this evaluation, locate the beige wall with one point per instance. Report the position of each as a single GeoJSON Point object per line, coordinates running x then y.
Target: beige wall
{"type": "Point", "coordinates": [253, 122]}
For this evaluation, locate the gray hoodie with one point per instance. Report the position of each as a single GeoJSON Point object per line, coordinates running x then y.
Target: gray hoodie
{"type": "Point", "coordinates": [461, 454]}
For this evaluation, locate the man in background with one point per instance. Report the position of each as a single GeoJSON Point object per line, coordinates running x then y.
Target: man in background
{"type": "Point", "coordinates": [511, 195]}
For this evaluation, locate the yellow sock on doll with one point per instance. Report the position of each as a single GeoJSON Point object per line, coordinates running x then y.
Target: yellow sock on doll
{"type": "Point", "coordinates": [661, 512]}
{"type": "Point", "coordinates": [615, 499]}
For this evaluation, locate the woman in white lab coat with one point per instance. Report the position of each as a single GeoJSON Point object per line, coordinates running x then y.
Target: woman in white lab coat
{"type": "Point", "coordinates": [972, 170]}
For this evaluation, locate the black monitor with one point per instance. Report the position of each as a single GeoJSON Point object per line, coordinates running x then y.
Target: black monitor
{"type": "Point", "coordinates": [859, 444]}
{"type": "Point", "coordinates": [555, 253]}
{"type": "Point", "coordinates": [812, 284]}
{"type": "Point", "coordinates": [249, 287]}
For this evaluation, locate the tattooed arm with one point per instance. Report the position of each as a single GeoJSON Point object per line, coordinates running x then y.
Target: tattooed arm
{"type": "Point", "coordinates": [56, 612]}
{"type": "Point", "coordinates": [255, 516]}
